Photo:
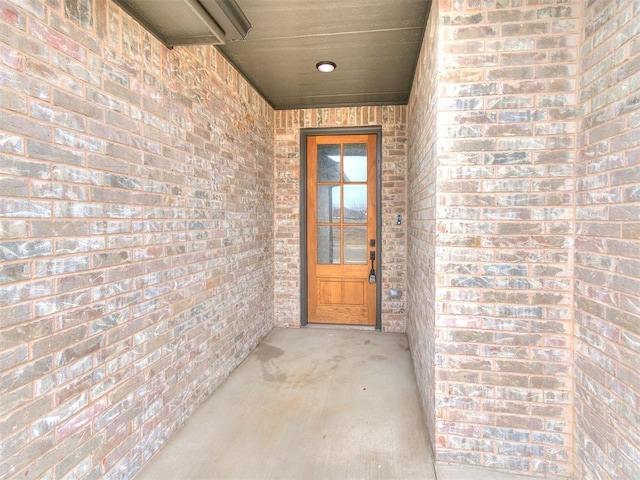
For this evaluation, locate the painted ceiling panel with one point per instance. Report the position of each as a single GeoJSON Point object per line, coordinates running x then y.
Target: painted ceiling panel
{"type": "Point", "coordinates": [375, 44]}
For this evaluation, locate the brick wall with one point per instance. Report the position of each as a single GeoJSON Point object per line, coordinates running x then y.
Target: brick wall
{"type": "Point", "coordinates": [503, 220]}
{"type": "Point", "coordinates": [287, 204]}
{"type": "Point", "coordinates": [607, 257]}
{"type": "Point", "coordinates": [421, 231]}
{"type": "Point", "coordinates": [136, 238]}
{"type": "Point", "coordinates": [137, 234]}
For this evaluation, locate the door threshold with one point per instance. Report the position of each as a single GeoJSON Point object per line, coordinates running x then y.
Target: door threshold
{"type": "Point", "coordinates": [340, 326]}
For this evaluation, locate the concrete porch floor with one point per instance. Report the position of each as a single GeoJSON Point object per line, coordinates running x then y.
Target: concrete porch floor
{"type": "Point", "coordinates": [312, 403]}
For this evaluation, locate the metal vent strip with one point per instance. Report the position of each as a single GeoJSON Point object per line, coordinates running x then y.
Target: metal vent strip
{"type": "Point", "coordinates": [189, 22]}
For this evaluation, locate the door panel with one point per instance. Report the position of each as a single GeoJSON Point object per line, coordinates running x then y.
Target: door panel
{"type": "Point", "coordinates": [341, 226]}
{"type": "Point", "coordinates": [339, 292]}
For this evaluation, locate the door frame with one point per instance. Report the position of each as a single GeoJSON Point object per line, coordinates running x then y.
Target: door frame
{"type": "Point", "coordinates": [304, 270]}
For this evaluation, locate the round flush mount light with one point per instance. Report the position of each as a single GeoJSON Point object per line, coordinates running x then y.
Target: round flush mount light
{"type": "Point", "coordinates": [326, 66]}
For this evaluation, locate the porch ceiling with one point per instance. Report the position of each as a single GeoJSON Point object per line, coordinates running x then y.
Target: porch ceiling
{"type": "Point", "coordinates": [375, 44]}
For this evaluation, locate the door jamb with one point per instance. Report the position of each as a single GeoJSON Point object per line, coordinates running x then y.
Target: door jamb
{"type": "Point", "coordinates": [308, 132]}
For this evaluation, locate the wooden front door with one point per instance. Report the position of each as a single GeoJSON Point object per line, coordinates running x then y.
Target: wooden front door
{"type": "Point", "coordinates": [341, 229]}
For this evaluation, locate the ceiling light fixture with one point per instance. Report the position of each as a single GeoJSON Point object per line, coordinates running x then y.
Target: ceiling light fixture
{"type": "Point", "coordinates": [326, 66]}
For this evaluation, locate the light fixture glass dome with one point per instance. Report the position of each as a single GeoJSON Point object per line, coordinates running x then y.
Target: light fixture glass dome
{"type": "Point", "coordinates": [326, 66]}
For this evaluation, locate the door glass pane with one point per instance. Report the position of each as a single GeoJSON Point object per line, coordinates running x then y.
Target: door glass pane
{"type": "Point", "coordinates": [328, 203]}
{"type": "Point", "coordinates": [328, 163]}
{"type": "Point", "coordinates": [355, 245]}
{"type": "Point", "coordinates": [355, 204]}
{"type": "Point", "coordinates": [329, 245]}
{"type": "Point", "coordinates": [355, 162]}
